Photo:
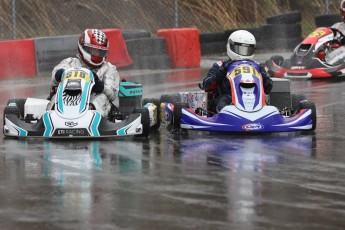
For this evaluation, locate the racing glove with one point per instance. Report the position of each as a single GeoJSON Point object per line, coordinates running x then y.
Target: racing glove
{"type": "Point", "coordinates": [58, 74]}
{"type": "Point", "coordinates": [98, 86]}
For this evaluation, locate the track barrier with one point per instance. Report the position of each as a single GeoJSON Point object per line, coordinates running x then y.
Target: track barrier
{"type": "Point", "coordinates": [17, 59]}
{"type": "Point", "coordinates": [183, 46]}
{"type": "Point", "coordinates": [117, 54]}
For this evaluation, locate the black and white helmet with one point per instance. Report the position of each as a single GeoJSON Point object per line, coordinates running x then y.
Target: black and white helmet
{"type": "Point", "coordinates": [241, 45]}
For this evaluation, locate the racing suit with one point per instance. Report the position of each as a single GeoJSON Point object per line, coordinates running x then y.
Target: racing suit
{"type": "Point", "coordinates": [107, 90]}
{"type": "Point", "coordinates": [216, 77]}
{"type": "Point", "coordinates": [340, 26]}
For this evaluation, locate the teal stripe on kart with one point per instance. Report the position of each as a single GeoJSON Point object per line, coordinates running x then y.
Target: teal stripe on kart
{"type": "Point", "coordinates": [60, 101]}
{"type": "Point", "coordinates": [94, 125]}
{"type": "Point", "coordinates": [123, 131]}
{"type": "Point", "coordinates": [22, 132]}
{"type": "Point", "coordinates": [84, 97]}
{"type": "Point", "coordinates": [47, 124]}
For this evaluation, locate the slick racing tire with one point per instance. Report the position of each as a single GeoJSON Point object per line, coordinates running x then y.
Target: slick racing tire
{"type": "Point", "coordinates": [177, 115]}
{"type": "Point", "coordinates": [20, 102]}
{"type": "Point", "coordinates": [156, 102]}
{"type": "Point", "coordinates": [296, 99]}
{"type": "Point", "coordinates": [145, 121]}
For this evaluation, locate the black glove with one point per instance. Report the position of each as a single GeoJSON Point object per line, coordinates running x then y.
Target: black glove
{"type": "Point", "coordinates": [221, 73]}
{"type": "Point", "coordinates": [52, 92]}
{"type": "Point", "coordinates": [58, 74]}
{"type": "Point", "coordinates": [99, 85]}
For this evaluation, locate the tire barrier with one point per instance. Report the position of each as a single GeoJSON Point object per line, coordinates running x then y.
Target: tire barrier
{"type": "Point", "coordinates": [18, 59]}
{"type": "Point", "coordinates": [148, 53]}
{"type": "Point", "coordinates": [327, 20]}
{"type": "Point", "coordinates": [288, 18]}
{"type": "Point", "coordinates": [211, 43]}
{"type": "Point", "coordinates": [50, 51]}
{"type": "Point", "coordinates": [281, 32]}
{"type": "Point", "coordinates": [117, 53]}
{"type": "Point", "coordinates": [133, 34]}
{"type": "Point", "coordinates": [183, 46]}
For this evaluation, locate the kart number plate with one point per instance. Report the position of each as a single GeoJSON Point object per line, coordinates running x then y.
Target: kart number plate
{"type": "Point", "coordinates": [71, 132]}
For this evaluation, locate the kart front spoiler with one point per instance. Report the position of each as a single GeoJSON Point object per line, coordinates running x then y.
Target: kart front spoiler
{"type": "Point", "coordinates": [91, 125]}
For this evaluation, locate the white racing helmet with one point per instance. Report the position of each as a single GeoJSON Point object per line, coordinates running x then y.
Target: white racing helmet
{"type": "Point", "coordinates": [241, 45]}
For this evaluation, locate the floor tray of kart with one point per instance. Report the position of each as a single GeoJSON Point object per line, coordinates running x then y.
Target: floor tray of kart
{"type": "Point", "coordinates": [71, 116]}
{"type": "Point", "coordinates": [250, 110]}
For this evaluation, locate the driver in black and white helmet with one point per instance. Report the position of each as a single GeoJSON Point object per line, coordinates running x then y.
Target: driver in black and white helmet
{"type": "Point", "coordinates": [240, 46]}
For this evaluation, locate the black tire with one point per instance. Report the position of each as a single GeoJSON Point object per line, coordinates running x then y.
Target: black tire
{"type": "Point", "coordinates": [212, 37]}
{"type": "Point", "coordinates": [213, 47]}
{"type": "Point", "coordinates": [296, 101]}
{"type": "Point", "coordinates": [277, 59]}
{"type": "Point", "coordinates": [271, 32]}
{"type": "Point", "coordinates": [134, 34]}
{"type": "Point", "coordinates": [20, 102]}
{"type": "Point", "coordinates": [310, 105]}
{"type": "Point", "coordinates": [145, 121]}
{"type": "Point", "coordinates": [327, 20]}
{"type": "Point", "coordinates": [151, 62]}
{"type": "Point", "coordinates": [177, 115]}
{"type": "Point", "coordinates": [146, 46]}
{"type": "Point", "coordinates": [156, 102]}
{"type": "Point", "coordinates": [287, 18]}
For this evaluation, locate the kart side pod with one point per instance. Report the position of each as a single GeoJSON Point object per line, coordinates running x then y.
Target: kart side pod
{"type": "Point", "coordinates": [130, 94]}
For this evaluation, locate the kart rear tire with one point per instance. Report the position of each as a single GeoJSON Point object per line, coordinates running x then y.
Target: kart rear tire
{"type": "Point", "coordinates": [145, 121]}
{"type": "Point", "coordinates": [20, 102]}
{"type": "Point", "coordinates": [156, 102]}
{"type": "Point", "coordinates": [310, 105]}
{"type": "Point", "coordinates": [296, 100]}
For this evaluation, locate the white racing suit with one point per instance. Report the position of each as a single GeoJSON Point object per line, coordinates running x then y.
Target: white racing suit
{"type": "Point", "coordinates": [339, 26]}
{"type": "Point", "coordinates": [107, 73]}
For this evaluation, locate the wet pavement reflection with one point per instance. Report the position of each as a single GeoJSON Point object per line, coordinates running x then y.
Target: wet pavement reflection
{"type": "Point", "coordinates": [189, 180]}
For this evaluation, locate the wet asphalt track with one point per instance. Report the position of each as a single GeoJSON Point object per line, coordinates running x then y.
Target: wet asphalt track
{"type": "Point", "coordinates": [194, 180]}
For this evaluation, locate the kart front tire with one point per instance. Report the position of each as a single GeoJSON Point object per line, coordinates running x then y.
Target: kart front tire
{"type": "Point", "coordinates": [177, 114]}
{"type": "Point", "coordinates": [20, 102]}
{"type": "Point", "coordinates": [295, 101]}
{"type": "Point", "coordinates": [10, 110]}
{"type": "Point", "coordinates": [145, 121]}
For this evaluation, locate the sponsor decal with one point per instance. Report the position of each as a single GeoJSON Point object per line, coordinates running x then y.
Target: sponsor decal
{"type": "Point", "coordinates": [317, 33]}
{"type": "Point", "coordinates": [71, 123]}
{"type": "Point", "coordinates": [71, 132]}
{"type": "Point", "coordinates": [252, 127]}
{"type": "Point", "coordinates": [297, 67]}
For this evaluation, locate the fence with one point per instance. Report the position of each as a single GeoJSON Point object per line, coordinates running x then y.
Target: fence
{"type": "Point", "coordinates": [34, 18]}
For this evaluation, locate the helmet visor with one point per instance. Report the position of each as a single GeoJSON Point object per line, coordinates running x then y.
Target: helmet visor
{"type": "Point", "coordinates": [242, 49]}
{"type": "Point", "coordinates": [95, 51]}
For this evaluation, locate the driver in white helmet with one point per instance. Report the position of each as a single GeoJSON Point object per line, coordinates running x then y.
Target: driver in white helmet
{"type": "Point", "coordinates": [92, 51]}
{"type": "Point", "coordinates": [240, 46]}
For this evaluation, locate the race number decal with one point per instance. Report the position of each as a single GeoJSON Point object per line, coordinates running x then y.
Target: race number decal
{"type": "Point", "coordinates": [317, 34]}
{"type": "Point", "coordinates": [77, 74]}
{"type": "Point", "coordinates": [244, 69]}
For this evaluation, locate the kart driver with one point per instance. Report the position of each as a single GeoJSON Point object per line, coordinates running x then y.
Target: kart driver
{"type": "Point", "coordinates": [341, 25]}
{"type": "Point", "coordinates": [241, 46]}
{"type": "Point", "coordinates": [92, 52]}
